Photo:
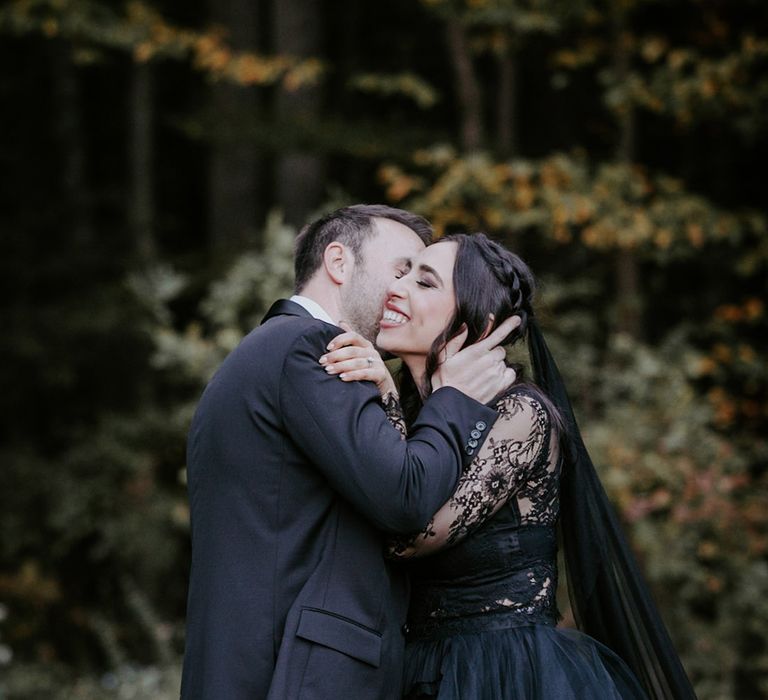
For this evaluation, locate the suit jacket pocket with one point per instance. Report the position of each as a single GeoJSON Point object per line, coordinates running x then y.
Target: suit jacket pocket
{"type": "Point", "coordinates": [340, 633]}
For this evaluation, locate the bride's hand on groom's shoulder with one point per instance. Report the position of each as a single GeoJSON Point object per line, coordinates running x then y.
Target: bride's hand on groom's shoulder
{"type": "Point", "coordinates": [478, 370]}
{"type": "Point", "coordinates": [353, 359]}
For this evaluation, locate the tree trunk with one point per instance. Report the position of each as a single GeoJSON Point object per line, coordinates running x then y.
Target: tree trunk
{"type": "Point", "coordinates": [69, 131]}
{"type": "Point", "coordinates": [299, 173]}
{"type": "Point", "coordinates": [506, 105]}
{"type": "Point", "coordinates": [141, 205]}
{"type": "Point", "coordinates": [467, 85]}
{"type": "Point", "coordinates": [626, 266]}
{"type": "Point", "coordinates": [234, 185]}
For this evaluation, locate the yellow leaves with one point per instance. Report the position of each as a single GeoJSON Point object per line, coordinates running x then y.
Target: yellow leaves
{"type": "Point", "coordinates": [662, 238]}
{"type": "Point", "coordinates": [707, 549]}
{"type": "Point", "coordinates": [706, 365]}
{"type": "Point", "coordinates": [722, 353]}
{"type": "Point", "coordinates": [725, 408]}
{"type": "Point", "coordinates": [678, 58]}
{"type": "Point", "coordinates": [747, 354]}
{"type": "Point", "coordinates": [28, 583]}
{"type": "Point", "coordinates": [143, 52]}
{"type": "Point", "coordinates": [708, 88]}
{"type": "Point", "coordinates": [247, 69]}
{"type": "Point", "coordinates": [714, 584]}
{"type": "Point", "coordinates": [405, 84]}
{"type": "Point", "coordinates": [50, 27]}
{"type": "Point", "coordinates": [146, 35]}
{"type": "Point", "coordinates": [614, 206]}
{"type": "Point", "coordinates": [751, 310]}
{"type": "Point", "coordinates": [653, 48]}
{"type": "Point", "coordinates": [399, 185]}
{"type": "Point", "coordinates": [695, 234]}
{"type": "Point", "coordinates": [754, 308]}
{"type": "Point", "coordinates": [523, 195]}
{"type": "Point", "coordinates": [215, 57]}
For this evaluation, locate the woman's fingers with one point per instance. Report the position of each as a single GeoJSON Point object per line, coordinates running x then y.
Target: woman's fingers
{"type": "Point", "coordinates": [348, 353]}
{"type": "Point", "coordinates": [361, 375]}
{"type": "Point", "coordinates": [504, 329]}
{"type": "Point", "coordinates": [349, 338]}
{"type": "Point", "coordinates": [368, 364]}
{"type": "Point", "coordinates": [455, 343]}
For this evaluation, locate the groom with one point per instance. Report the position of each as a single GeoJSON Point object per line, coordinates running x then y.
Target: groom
{"type": "Point", "coordinates": [294, 475]}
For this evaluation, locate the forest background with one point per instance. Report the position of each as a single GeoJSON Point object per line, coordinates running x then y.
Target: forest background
{"type": "Point", "coordinates": [157, 160]}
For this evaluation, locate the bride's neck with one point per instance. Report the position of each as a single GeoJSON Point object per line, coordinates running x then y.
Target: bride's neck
{"type": "Point", "coordinates": [417, 366]}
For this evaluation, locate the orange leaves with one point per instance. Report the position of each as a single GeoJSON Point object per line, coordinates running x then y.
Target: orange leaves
{"type": "Point", "coordinates": [695, 233]}
{"type": "Point", "coordinates": [146, 34]}
{"type": "Point", "coordinates": [398, 184]}
{"type": "Point", "coordinates": [612, 206]}
{"type": "Point", "coordinates": [754, 308]}
{"type": "Point", "coordinates": [751, 310]}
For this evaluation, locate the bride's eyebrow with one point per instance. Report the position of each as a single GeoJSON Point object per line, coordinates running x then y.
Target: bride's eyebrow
{"type": "Point", "coordinates": [407, 263]}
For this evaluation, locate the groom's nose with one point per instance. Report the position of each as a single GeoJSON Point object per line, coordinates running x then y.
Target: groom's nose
{"type": "Point", "coordinates": [396, 288]}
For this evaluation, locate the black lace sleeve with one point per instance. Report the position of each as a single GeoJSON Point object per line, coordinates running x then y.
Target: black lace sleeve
{"type": "Point", "coordinates": [503, 466]}
{"type": "Point", "coordinates": [394, 411]}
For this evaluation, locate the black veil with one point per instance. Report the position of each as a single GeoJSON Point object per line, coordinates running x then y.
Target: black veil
{"type": "Point", "coordinates": [608, 594]}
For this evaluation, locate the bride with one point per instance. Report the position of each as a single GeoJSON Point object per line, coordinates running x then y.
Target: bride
{"type": "Point", "coordinates": [483, 611]}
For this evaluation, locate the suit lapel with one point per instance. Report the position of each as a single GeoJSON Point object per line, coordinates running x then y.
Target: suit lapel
{"type": "Point", "coordinates": [285, 307]}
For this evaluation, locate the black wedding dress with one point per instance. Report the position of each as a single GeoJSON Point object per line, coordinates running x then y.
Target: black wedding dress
{"type": "Point", "coordinates": [483, 614]}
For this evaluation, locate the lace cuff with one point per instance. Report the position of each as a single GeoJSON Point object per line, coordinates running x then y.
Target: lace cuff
{"type": "Point", "coordinates": [394, 412]}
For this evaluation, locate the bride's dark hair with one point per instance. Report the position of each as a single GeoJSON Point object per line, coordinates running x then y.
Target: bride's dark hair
{"type": "Point", "coordinates": [488, 282]}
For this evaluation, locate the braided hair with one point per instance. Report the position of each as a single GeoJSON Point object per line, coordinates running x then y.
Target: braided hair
{"type": "Point", "coordinates": [488, 281]}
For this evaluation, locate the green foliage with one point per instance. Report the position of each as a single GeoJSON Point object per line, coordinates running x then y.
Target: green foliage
{"type": "Point", "coordinates": [77, 526]}
{"type": "Point", "coordinates": [639, 130]}
{"type": "Point", "coordinates": [406, 84]}
{"type": "Point", "coordinates": [696, 511]}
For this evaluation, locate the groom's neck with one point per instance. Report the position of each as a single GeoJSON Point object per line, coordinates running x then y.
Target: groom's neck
{"type": "Point", "coordinates": [327, 295]}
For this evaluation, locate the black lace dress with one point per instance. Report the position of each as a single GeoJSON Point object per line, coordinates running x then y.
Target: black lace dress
{"type": "Point", "coordinates": [483, 614]}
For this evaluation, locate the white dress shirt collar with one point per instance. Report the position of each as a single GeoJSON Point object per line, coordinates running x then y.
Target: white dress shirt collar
{"type": "Point", "coordinates": [314, 308]}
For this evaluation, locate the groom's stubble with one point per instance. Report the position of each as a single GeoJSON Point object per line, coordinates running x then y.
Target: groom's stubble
{"type": "Point", "coordinates": [363, 301]}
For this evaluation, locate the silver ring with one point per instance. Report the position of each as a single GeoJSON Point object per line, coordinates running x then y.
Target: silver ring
{"type": "Point", "coordinates": [369, 360]}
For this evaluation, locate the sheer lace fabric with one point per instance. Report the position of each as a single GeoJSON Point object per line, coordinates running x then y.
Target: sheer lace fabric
{"type": "Point", "coordinates": [492, 546]}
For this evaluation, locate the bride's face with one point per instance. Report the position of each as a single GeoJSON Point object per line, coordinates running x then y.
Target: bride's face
{"type": "Point", "coordinates": [420, 304]}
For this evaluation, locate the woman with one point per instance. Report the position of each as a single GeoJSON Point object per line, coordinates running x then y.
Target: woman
{"type": "Point", "coordinates": [483, 610]}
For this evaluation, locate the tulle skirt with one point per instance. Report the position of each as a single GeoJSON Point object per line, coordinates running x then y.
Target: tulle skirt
{"type": "Point", "coordinates": [522, 663]}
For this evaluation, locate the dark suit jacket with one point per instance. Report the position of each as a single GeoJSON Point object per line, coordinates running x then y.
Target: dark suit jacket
{"type": "Point", "coordinates": [293, 475]}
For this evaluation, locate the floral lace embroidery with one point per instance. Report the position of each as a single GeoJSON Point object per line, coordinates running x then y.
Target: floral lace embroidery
{"type": "Point", "coordinates": [514, 460]}
{"type": "Point", "coordinates": [394, 412]}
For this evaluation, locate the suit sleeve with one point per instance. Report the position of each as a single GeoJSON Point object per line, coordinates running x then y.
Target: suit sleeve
{"type": "Point", "coordinates": [397, 484]}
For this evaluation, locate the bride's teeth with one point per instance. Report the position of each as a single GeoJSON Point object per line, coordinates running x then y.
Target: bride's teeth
{"type": "Point", "coordinates": [394, 317]}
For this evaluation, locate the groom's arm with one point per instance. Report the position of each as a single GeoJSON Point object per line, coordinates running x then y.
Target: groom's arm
{"type": "Point", "coordinates": [344, 432]}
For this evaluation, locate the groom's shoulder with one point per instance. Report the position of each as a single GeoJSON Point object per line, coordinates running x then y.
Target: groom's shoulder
{"type": "Point", "coordinates": [287, 332]}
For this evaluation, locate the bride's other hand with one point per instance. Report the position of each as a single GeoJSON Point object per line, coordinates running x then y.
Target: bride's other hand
{"type": "Point", "coordinates": [355, 359]}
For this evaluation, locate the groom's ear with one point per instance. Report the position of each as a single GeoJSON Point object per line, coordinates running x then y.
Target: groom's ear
{"type": "Point", "coordinates": [336, 261]}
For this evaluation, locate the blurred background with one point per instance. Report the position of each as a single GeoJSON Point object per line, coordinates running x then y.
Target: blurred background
{"type": "Point", "coordinates": [157, 160]}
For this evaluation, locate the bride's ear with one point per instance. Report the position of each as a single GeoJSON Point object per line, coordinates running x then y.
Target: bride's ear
{"type": "Point", "coordinates": [488, 327]}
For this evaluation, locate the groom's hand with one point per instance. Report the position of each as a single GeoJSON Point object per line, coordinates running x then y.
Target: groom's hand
{"type": "Point", "coordinates": [479, 370]}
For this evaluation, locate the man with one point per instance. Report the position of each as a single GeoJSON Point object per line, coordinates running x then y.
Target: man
{"type": "Point", "coordinates": [294, 475]}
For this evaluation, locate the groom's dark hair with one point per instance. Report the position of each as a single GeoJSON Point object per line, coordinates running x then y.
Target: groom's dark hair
{"type": "Point", "coordinates": [351, 226]}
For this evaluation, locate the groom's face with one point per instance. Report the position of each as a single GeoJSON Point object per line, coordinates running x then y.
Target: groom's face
{"type": "Point", "coordinates": [384, 256]}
